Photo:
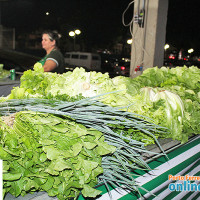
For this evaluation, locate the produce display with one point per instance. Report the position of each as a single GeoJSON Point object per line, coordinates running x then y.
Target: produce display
{"type": "Point", "coordinates": [64, 134]}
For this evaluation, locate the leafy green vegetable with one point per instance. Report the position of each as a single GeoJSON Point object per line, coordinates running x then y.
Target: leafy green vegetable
{"type": "Point", "coordinates": [181, 81]}
{"type": "Point", "coordinates": [4, 73]}
{"type": "Point", "coordinates": [174, 111]}
{"type": "Point", "coordinates": [50, 158]}
{"type": "Point", "coordinates": [38, 67]}
{"type": "Point", "coordinates": [187, 77]}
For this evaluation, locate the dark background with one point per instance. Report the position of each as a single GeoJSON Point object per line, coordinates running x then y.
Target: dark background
{"type": "Point", "coordinates": [99, 20]}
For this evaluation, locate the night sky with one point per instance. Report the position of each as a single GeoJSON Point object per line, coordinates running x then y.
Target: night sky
{"type": "Point", "coordinates": [99, 20]}
{"type": "Point", "coordinates": [183, 27]}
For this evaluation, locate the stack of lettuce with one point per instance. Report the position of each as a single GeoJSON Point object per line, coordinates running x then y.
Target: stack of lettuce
{"type": "Point", "coordinates": [169, 97]}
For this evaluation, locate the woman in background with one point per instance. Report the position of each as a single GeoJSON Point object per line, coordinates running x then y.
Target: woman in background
{"type": "Point", "coordinates": [54, 60]}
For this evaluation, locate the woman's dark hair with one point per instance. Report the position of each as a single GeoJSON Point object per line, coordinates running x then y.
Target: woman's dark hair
{"type": "Point", "coordinates": [53, 35]}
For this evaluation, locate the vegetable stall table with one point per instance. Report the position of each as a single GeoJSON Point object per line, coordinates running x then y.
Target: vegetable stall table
{"type": "Point", "coordinates": [183, 160]}
{"type": "Point", "coordinates": [168, 97]}
{"type": "Point", "coordinates": [183, 163]}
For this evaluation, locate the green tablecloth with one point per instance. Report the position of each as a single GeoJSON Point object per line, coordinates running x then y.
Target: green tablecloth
{"type": "Point", "coordinates": [184, 160]}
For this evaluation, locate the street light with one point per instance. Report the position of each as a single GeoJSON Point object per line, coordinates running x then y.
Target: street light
{"type": "Point", "coordinates": [73, 34]}
{"type": "Point", "coordinates": [77, 32]}
{"type": "Point", "coordinates": [129, 41]}
{"type": "Point", "coordinates": [166, 47]}
{"type": "Point", "coordinates": [165, 50]}
{"type": "Point", "coordinates": [190, 50]}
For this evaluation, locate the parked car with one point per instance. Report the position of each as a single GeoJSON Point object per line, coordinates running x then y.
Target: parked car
{"type": "Point", "coordinates": [89, 61]}
{"type": "Point", "coordinates": [122, 68]}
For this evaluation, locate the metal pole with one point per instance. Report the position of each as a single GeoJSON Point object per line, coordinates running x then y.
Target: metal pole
{"type": "Point", "coordinates": [75, 42]}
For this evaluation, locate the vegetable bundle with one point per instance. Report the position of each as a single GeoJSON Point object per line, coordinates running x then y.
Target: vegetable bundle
{"type": "Point", "coordinates": [43, 152]}
{"type": "Point", "coordinates": [49, 149]}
